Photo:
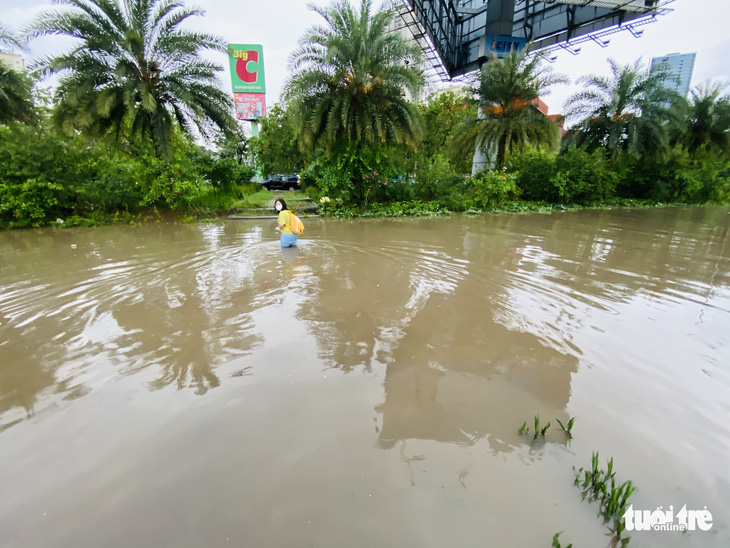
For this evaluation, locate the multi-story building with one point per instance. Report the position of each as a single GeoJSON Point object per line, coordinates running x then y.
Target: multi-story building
{"type": "Point", "coordinates": [680, 66]}
{"type": "Point", "coordinates": [12, 61]}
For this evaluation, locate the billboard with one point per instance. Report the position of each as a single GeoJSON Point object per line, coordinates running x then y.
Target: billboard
{"type": "Point", "coordinates": [493, 44]}
{"type": "Point", "coordinates": [458, 37]}
{"type": "Point", "coordinates": [247, 68]}
{"type": "Point", "coordinates": [249, 106]}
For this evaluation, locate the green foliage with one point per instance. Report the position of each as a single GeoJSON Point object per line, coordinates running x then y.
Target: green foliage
{"type": "Point", "coordinates": [681, 176]}
{"type": "Point", "coordinates": [16, 98]}
{"type": "Point", "coordinates": [569, 429]}
{"type": "Point", "coordinates": [349, 79]}
{"type": "Point", "coordinates": [357, 173]}
{"type": "Point", "coordinates": [574, 176]}
{"type": "Point", "coordinates": [224, 173]}
{"type": "Point", "coordinates": [258, 199]}
{"type": "Point", "coordinates": [556, 541]}
{"type": "Point", "coordinates": [31, 203]}
{"type": "Point", "coordinates": [583, 177]}
{"type": "Point", "coordinates": [275, 150]}
{"type": "Point", "coordinates": [45, 176]}
{"type": "Point", "coordinates": [40, 174]}
{"type": "Point", "coordinates": [406, 209]}
{"type": "Point", "coordinates": [8, 38]}
{"type": "Point", "coordinates": [534, 169]}
{"type": "Point", "coordinates": [627, 111]}
{"type": "Point", "coordinates": [708, 120]}
{"type": "Point", "coordinates": [600, 486]}
{"type": "Point", "coordinates": [382, 189]}
{"type": "Point", "coordinates": [508, 115]}
{"type": "Point", "coordinates": [135, 71]}
{"type": "Point", "coordinates": [437, 179]}
{"type": "Point", "coordinates": [333, 176]}
{"type": "Point", "coordinates": [491, 188]}
{"type": "Point", "coordinates": [441, 114]}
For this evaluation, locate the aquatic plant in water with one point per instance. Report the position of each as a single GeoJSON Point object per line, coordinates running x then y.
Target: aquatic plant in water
{"type": "Point", "coordinates": [524, 429]}
{"type": "Point", "coordinates": [600, 486]}
{"type": "Point", "coordinates": [556, 542]}
{"type": "Point", "coordinates": [568, 430]}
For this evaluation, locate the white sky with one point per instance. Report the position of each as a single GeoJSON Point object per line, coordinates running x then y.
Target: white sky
{"type": "Point", "coordinates": [693, 26]}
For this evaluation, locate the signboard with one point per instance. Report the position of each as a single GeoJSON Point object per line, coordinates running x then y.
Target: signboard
{"type": "Point", "coordinates": [493, 44]}
{"type": "Point", "coordinates": [249, 106]}
{"type": "Point", "coordinates": [247, 68]}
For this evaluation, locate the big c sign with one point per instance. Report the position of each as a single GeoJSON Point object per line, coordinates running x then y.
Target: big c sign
{"type": "Point", "coordinates": [247, 68]}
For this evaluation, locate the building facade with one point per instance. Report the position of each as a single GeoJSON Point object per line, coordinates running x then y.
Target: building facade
{"type": "Point", "coordinates": [680, 66]}
{"type": "Point", "coordinates": [12, 61]}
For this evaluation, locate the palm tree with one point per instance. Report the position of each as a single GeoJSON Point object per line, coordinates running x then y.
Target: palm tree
{"type": "Point", "coordinates": [628, 110]}
{"type": "Point", "coordinates": [8, 39]}
{"type": "Point", "coordinates": [16, 100]}
{"type": "Point", "coordinates": [135, 70]}
{"type": "Point", "coordinates": [508, 116]}
{"type": "Point", "coordinates": [709, 118]}
{"type": "Point", "coordinates": [350, 77]}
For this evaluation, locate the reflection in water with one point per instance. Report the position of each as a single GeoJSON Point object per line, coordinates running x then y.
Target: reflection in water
{"type": "Point", "coordinates": [453, 373]}
{"type": "Point", "coordinates": [379, 361]}
{"type": "Point", "coordinates": [134, 301]}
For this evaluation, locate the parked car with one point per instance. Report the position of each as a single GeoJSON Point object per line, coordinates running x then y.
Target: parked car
{"type": "Point", "coordinates": [282, 182]}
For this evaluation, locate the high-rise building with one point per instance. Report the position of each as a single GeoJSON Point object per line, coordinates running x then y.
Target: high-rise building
{"type": "Point", "coordinates": [680, 67]}
{"type": "Point", "coordinates": [12, 61]}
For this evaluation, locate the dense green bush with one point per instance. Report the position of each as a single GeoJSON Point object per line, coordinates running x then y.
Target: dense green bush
{"type": "Point", "coordinates": [40, 175]}
{"type": "Point", "coordinates": [574, 176]}
{"type": "Point", "coordinates": [680, 176]}
{"type": "Point", "coordinates": [46, 176]}
{"type": "Point", "coordinates": [31, 203]}
{"type": "Point", "coordinates": [437, 179]}
{"type": "Point", "coordinates": [534, 170]}
{"type": "Point", "coordinates": [332, 178]}
{"type": "Point", "coordinates": [582, 177]}
{"type": "Point", "coordinates": [490, 188]}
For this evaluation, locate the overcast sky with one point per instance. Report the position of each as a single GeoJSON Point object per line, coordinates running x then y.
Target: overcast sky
{"type": "Point", "coordinates": [693, 26]}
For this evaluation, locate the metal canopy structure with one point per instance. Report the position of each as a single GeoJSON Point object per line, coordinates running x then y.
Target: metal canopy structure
{"type": "Point", "coordinates": [458, 35]}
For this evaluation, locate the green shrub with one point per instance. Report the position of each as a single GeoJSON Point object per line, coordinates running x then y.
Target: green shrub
{"type": "Point", "coordinates": [535, 170]}
{"type": "Point", "coordinates": [583, 177]}
{"type": "Point", "coordinates": [490, 188]}
{"type": "Point", "coordinates": [332, 177]}
{"type": "Point", "coordinates": [437, 179]}
{"type": "Point", "coordinates": [574, 176]}
{"type": "Point", "coordinates": [32, 203]}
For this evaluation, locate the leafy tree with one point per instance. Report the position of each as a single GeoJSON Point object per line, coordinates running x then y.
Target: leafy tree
{"type": "Point", "coordinates": [234, 145]}
{"type": "Point", "coordinates": [509, 118]}
{"type": "Point", "coordinates": [135, 70]}
{"type": "Point", "coordinates": [16, 100]}
{"type": "Point", "coordinates": [350, 78]}
{"type": "Point", "coordinates": [627, 110]}
{"type": "Point", "coordinates": [275, 149]}
{"type": "Point", "coordinates": [442, 114]}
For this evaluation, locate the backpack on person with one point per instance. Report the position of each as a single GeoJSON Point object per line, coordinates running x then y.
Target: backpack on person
{"type": "Point", "coordinates": [295, 224]}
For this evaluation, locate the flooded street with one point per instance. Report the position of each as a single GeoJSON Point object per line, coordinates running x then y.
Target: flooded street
{"type": "Point", "coordinates": [197, 386]}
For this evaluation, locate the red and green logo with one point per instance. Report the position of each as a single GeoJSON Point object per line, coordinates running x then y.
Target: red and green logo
{"type": "Point", "coordinates": [247, 68]}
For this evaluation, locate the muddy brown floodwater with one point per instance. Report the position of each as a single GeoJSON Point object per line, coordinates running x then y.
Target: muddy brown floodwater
{"type": "Point", "coordinates": [196, 386]}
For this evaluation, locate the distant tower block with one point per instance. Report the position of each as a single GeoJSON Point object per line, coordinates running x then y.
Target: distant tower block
{"type": "Point", "coordinates": [680, 67]}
